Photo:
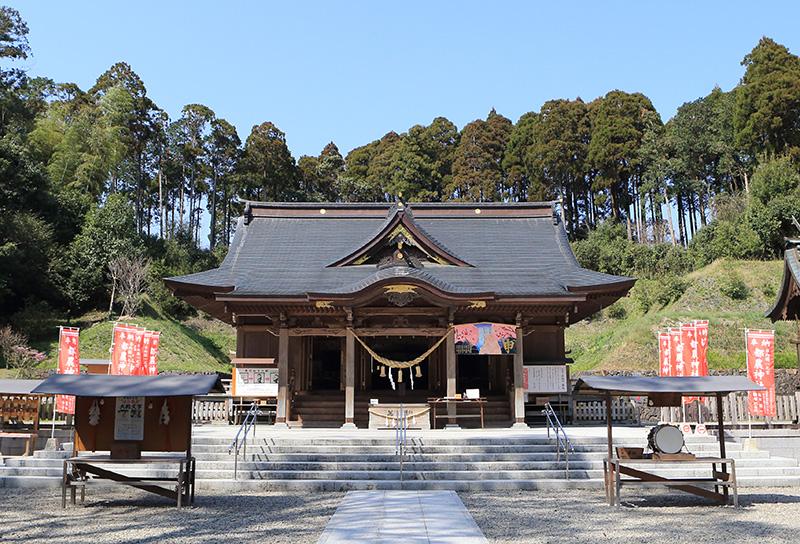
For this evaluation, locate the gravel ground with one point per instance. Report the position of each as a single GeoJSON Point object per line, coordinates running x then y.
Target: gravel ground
{"type": "Point", "coordinates": [765, 516]}
{"type": "Point", "coordinates": [128, 516]}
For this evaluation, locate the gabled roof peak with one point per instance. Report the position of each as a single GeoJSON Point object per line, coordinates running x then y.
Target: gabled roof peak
{"type": "Point", "coordinates": [397, 232]}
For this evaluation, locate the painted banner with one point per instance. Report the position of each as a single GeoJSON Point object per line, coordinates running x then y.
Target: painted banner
{"type": "Point", "coordinates": [760, 351]}
{"type": "Point", "coordinates": [152, 352]}
{"type": "Point", "coordinates": [69, 362]}
{"type": "Point", "coordinates": [485, 339]}
{"type": "Point", "coordinates": [666, 364]}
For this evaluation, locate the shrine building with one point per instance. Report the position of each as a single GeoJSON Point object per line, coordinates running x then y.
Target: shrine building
{"type": "Point", "coordinates": [356, 302]}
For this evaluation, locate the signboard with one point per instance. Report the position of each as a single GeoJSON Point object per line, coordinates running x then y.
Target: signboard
{"type": "Point", "coordinates": [129, 418]}
{"type": "Point", "coordinates": [485, 339]}
{"type": "Point", "coordinates": [761, 370]}
{"type": "Point", "coordinates": [255, 381]}
{"type": "Point", "coordinates": [68, 363]}
{"type": "Point", "coordinates": [545, 379]}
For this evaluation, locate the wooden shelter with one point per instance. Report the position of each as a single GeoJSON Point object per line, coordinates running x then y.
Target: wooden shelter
{"type": "Point", "coordinates": [127, 416]}
{"type": "Point", "coordinates": [787, 307]}
{"type": "Point", "coordinates": [19, 412]}
{"type": "Point", "coordinates": [667, 391]}
{"type": "Point", "coordinates": [322, 288]}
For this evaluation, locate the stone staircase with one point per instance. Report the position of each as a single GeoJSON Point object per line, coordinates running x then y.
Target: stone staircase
{"type": "Point", "coordinates": [443, 460]}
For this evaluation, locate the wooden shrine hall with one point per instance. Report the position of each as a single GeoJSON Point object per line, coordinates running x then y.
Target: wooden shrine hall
{"type": "Point", "coordinates": [352, 303]}
{"type": "Point", "coordinates": [787, 307]}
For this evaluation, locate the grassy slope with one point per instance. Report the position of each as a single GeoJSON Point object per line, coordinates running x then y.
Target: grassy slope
{"type": "Point", "coordinates": [197, 345]}
{"type": "Point", "coordinates": [629, 343]}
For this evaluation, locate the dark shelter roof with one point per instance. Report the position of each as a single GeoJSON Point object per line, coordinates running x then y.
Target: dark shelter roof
{"type": "Point", "coordinates": [643, 385]}
{"type": "Point", "coordinates": [297, 249]}
{"type": "Point", "coordinates": [788, 304]}
{"type": "Point", "coordinates": [18, 387]}
{"type": "Point", "coordinates": [103, 385]}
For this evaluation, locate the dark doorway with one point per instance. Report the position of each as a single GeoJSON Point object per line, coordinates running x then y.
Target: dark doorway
{"type": "Point", "coordinates": [326, 364]}
{"type": "Point", "coordinates": [400, 349]}
{"type": "Point", "coordinates": [472, 373]}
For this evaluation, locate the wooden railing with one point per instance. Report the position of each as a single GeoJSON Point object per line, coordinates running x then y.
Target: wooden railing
{"type": "Point", "coordinates": [211, 409]}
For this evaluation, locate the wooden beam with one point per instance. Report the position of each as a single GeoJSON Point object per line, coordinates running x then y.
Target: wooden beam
{"type": "Point", "coordinates": [349, 375]}
{"type": "Point", "coordinates": [519, 390]}
{"type": "Point", "coordinates": [281, 411]}
{"type": "Point", "coordinates": [427, 311]}
{"type": "Point", "coordinates": [404, 331]}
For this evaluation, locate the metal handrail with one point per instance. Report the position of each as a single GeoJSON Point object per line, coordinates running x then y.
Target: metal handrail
{"type": "Point", "coordinates": [400, 431]}
{"type": "Point", "coordinates": [240, 441]}
{"type": "Point", "coordinates": [563, 442]}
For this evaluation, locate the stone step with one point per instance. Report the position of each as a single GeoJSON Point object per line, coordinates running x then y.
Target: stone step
{"type": "Point", "coordinates": [453, 440]}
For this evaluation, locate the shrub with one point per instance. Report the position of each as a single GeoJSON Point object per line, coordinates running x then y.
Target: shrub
{"type": "Point", "coordinates": [616, 311]}
{"type": "Point", "coordinates": [734, 287]}
{"type": "Point", "coordinates": [37, 319]}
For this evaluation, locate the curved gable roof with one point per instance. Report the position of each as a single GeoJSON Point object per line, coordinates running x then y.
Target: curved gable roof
{"type": "Point", "coordinates": [788, 304]}
{"type": "Point", "coordinates": [509, 250]}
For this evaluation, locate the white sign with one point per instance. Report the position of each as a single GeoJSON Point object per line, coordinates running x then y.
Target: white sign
{"type": "Point", "coordinates": [255, 381]}
{"type": "Point", "coordinates": [129, 418]}
{"type": "Point", "coordinates": [545, 379]}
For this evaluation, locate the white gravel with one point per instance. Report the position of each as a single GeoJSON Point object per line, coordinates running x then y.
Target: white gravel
{"type": "Point", "coordinates": [119, 515]}
{"type": "Point", "coordinates": [765, 516]}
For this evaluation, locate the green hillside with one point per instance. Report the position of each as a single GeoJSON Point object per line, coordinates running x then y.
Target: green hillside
{"type": "Point", "coordinates": [732, 295]}
{"type": "Point", "coordinates": [197, 345]}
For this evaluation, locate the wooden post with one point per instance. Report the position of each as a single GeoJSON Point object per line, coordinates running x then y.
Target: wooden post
{"type": "Point", "coordinates": [349, 374]}
{"type": "Point", "coordinates": [283, 376]}
{"type": "Point", "coordinates": [519, 391]}
{"type": "Point", "coordinates": [451, 375]}
{"type": "Point", "coordinates": [609, 435]}
{"type": "Point", "coordinates": [721, 434]}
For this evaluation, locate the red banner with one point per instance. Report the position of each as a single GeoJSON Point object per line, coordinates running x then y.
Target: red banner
{"type": "Point", "coordinates": [666, 366]}
{"type": "Point", "coordinates": [702, 346]}
{"type": "Point", "coordinates": [676, 351]}
{"type": "Point", "coordinates": [761, 370]}
{"type": "Point", "coordinates": [152, 352]}
{"type": "Point", "coordinates": [69, 362]}
{"type": "Point", "coordinates": [122, 349]}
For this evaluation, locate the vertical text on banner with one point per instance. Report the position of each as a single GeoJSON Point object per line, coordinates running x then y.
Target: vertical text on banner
{"type": "Point", "coordinates": [68, 363]}
{"type": "Point", "coordinates": [761, 370]}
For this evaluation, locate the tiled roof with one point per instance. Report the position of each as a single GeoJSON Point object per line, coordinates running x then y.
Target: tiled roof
{"type": "Point", "coordinates": [509, 255]}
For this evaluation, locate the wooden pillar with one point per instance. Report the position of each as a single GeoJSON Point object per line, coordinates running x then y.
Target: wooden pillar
{"type": "Point", "coordinates": [349, 375]}
{"type": "Point", "coordinates": [450, 346]}
{"type": "Point", "coordinates": [519, 390]}
{"type": "Point", "coordinates": [283, 375]}
{"type": "Point", "coordinates": [721, 433]}
{"type": "Point", "coordinates": [609, 476]}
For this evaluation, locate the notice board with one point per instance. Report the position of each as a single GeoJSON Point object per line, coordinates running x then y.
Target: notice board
{"type": "Point", "coordinates": [545, 378]}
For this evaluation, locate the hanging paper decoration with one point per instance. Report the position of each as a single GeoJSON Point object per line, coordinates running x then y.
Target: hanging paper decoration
{"type": "Point", "coordinates": [485, 339]}
{"type": "Point", "coordinates": [94, 414]}
{"type": "Point", "coordinates": [164, 418]}
{"type": "Point", "coordinates": [760, 351]}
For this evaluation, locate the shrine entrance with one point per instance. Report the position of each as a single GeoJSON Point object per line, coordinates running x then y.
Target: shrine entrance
{"type": "Point", "coordinates": [400, 348]}
{"type": "Point", "coordinates": [326, 364]}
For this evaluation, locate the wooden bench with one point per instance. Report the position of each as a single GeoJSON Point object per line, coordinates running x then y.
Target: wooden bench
{"type": "Point", "coordinates": [30, 440]}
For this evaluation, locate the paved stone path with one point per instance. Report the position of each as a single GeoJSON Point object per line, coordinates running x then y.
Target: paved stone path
{"type": "Point", "coordinates": [410, 517]}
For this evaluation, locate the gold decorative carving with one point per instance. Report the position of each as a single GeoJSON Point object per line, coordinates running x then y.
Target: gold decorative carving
{"type": "Point", "coordinates": [401, 294]}
{"type": "Point", "coordinates": [476, 304]}
{"type": "Point", "coordinates": [400, 288]}
{"type": "Point", "coordinates": [324, 304]}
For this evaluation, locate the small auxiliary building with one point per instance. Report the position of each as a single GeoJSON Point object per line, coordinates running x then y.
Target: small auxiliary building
{"type": "Point", "coordinates": [324, 288]}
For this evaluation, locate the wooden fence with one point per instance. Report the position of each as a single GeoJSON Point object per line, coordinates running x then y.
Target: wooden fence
{"type": "Point", "coordinates": [211, 409]}
{"type": "Point", "coordinates": [734, 411]}
{"type": "Point", "coordinates": [622, 410]}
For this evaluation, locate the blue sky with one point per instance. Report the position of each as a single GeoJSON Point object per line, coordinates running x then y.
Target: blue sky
{"type": "Point", "coordinates": [352, 71]}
